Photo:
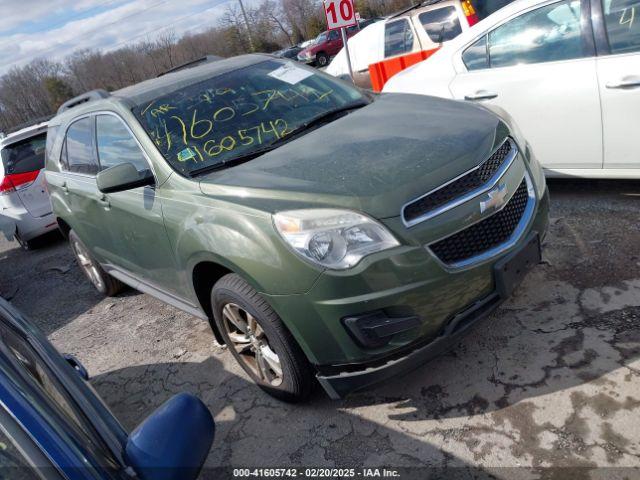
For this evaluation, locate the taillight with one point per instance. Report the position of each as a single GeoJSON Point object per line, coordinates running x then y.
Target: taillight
{"type": "Point", "coordinates": [17, 180]}
{"type": "Point", "coordinates": [6, 186]}
{"type": "Point", "coordinates": [469, 12]}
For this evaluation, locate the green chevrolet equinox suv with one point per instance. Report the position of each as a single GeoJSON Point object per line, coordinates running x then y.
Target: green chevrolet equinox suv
{"type": "Point", "coordinates": [324, 233]}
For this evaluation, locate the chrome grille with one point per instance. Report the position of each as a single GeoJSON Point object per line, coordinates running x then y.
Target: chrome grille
{"type": "Point", "coordinates": [486, 234]}
{"type": "Point", "coordinates": [456, 191]}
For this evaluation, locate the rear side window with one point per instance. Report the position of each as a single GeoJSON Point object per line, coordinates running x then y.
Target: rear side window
{"type": "Point", "coordinates": [25, 156]}
{"type": "Point", "coordinates": [622, 20]}
{"type": "Point", "coordinates": [398, 38]}
{"type": "Point", "coordinates": [546, 34]}
{"type": "Point", "coordinates": [441, 24]}
{"type": "Point", "coordinates": [80, 148]}
{"type": "Point", "coordinates": [116, 145]}
{"type": "Point", "coordinates": [475, 56]}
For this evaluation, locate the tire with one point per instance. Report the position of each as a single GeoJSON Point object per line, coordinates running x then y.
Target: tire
{"type": "Point", "coordinates": [267, 344]}
{"type": "Point", "coordinates": [101, 280]}
{"type": "Point", "coordinates": [322, 59]}
{"type": "Point", "coordinates": [26, 245]}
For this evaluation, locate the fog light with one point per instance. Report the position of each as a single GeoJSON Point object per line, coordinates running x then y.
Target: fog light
{"type": "Point", "coordinates": [376, 329]}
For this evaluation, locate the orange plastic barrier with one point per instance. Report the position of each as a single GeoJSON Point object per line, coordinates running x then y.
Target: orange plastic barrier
{"type": "Point", "coordinates": [382, 71]}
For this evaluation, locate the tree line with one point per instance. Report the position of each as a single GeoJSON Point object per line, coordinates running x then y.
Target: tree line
{"type": "Point", "coordinates": [37, 89]}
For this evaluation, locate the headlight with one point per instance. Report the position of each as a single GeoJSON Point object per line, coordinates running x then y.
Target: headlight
{"type": "Point", "coordinates": [336, 239]}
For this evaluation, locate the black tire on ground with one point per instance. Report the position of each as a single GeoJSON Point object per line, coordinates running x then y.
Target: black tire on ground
{"type": "Point", "coordinates": [322, 59]}
{"type": "Point", "coordinates": [297, 379]}
{"type": "Point", "coordinates": [101, 280]}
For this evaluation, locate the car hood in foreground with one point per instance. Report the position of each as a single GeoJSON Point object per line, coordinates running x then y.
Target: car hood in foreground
{"type": "Point", "coordinates": [374, 160]}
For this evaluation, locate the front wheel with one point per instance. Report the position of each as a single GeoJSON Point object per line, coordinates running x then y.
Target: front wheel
{"type": "Point", "coordinates": [259, 341]}
{"type": "Point", "coordinates": [101, 280]}
{"type": "Point", "coordinates": [322, 59]}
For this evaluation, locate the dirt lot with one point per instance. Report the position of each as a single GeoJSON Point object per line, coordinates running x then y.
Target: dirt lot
{"type": "Point", "coordinates": [551, 380]}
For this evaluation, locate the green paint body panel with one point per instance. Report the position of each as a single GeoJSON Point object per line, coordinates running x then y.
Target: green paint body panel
{"type": "Point", "coordinates": [374, 160]}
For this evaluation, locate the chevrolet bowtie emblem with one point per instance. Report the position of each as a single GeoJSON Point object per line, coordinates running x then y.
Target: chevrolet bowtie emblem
{"type": "Point", "coordinates": [496, 199]}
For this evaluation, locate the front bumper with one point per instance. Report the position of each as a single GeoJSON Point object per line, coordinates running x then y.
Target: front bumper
{"type": "Point", "coordinates": [408, 282]}
{"type": "Point", "coordinates": [341, 384]}
{"type": "Point", "coordinates": [355, 377]}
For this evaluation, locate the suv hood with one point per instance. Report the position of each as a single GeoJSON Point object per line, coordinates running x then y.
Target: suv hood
{"type": "Point", "coordinates": [374, 160]}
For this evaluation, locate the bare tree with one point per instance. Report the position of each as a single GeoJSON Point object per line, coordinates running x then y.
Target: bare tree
{"type": "Point", "coordinates": [35, 89]}
{"type": "Point", "coordinates": [165, 46]}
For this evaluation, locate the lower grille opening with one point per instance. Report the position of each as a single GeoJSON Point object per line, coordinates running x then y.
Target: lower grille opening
{"type": "Point", "coordinates": [484, 235]}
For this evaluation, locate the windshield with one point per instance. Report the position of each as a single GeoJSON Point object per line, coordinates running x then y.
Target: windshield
{"type": "Point", "coordinates": [235, 114]}
{"type": "Point", "coordinates": [25, 156]}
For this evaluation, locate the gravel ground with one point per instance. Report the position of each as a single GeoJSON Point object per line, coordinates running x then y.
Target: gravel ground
{"type": "Point", "coordinates": [551, 380]}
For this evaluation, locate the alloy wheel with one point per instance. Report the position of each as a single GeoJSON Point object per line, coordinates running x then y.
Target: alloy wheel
{"type": "Point", "coordinates": [87, 265]}
{"type": "Point", "coordinates": [252, 345]}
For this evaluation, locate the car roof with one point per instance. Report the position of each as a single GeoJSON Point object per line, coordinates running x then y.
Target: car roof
{"type": "Point", "coordinates": [156, 87]}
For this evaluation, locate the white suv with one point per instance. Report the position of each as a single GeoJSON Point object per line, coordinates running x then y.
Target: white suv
{"type": "Point", "coordinates": [423, 27]}
{"type": "Point", "coordinates": [25, 209]}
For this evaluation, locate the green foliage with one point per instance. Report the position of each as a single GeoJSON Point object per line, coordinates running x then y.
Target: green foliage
{"type": "Point", "coordinates": [59, 91]}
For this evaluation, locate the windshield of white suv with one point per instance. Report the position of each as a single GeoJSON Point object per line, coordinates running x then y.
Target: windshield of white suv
{"type": "Point", "coordinates": [242, 113]}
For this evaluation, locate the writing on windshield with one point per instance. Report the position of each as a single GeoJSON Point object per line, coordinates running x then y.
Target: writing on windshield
{"type": "Point", "coordinates": [239, 112]}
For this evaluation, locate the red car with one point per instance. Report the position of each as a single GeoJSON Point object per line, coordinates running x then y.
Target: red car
{"type": "Point", "coordinates": [325, 47]}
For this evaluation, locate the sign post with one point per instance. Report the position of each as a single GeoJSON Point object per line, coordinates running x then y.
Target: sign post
{"type": "Point", "coordinates": [340, 15]}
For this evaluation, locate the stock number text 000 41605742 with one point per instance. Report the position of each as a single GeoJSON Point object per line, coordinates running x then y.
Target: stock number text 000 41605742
{"type": "Point", "coordinates": [196, 125]}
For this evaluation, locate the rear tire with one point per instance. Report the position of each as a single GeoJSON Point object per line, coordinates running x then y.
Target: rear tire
{"type": "Point", "coordinates": [101, 280]}
{"type": "Point", "coordinates": [259, 341]}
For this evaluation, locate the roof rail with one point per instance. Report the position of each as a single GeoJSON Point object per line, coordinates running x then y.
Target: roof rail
{"type": "Point", "coordinates": [84, 98]}
{"type": "Point", "coordinates": [413, 7]}
{"type": "Point", "coordinates": [29, 123]}
{"type": "Point", "coordinates": [192, 63]}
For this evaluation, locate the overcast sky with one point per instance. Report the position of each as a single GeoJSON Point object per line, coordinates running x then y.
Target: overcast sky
{"type": "Point", "coordinates": [54, 28]}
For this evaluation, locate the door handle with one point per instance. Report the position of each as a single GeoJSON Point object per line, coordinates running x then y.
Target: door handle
{"type": "Point", "coordinates": [481, 95]}
{"type": "Point", "coordinates": [64, 187]}
{"type": "Point", "coordinates": [626, 82]}
{"type": "Point", "coordinates": [104, 201]}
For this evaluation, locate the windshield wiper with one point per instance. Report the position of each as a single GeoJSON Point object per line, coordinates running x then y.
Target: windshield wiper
{"type": "Point", "coordinates": [314, 122]}
{"type": "Point", "coordinates": [322, 118]}
{"type": "Point", "coordinates": [233, 161]}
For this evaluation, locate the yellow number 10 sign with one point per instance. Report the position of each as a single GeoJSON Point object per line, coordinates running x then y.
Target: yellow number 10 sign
{"type": "Point", "coordinates": [340, 13]}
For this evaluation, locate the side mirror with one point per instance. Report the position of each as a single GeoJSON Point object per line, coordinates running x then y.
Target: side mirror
{"type": "Point", "coordinates": [173, 442]}
{"type": "Point", "coordinates": [123, 177]}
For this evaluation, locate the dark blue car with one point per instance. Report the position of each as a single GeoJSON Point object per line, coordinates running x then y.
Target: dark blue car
{"type": "Point", "coordinates": [53, 425]}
